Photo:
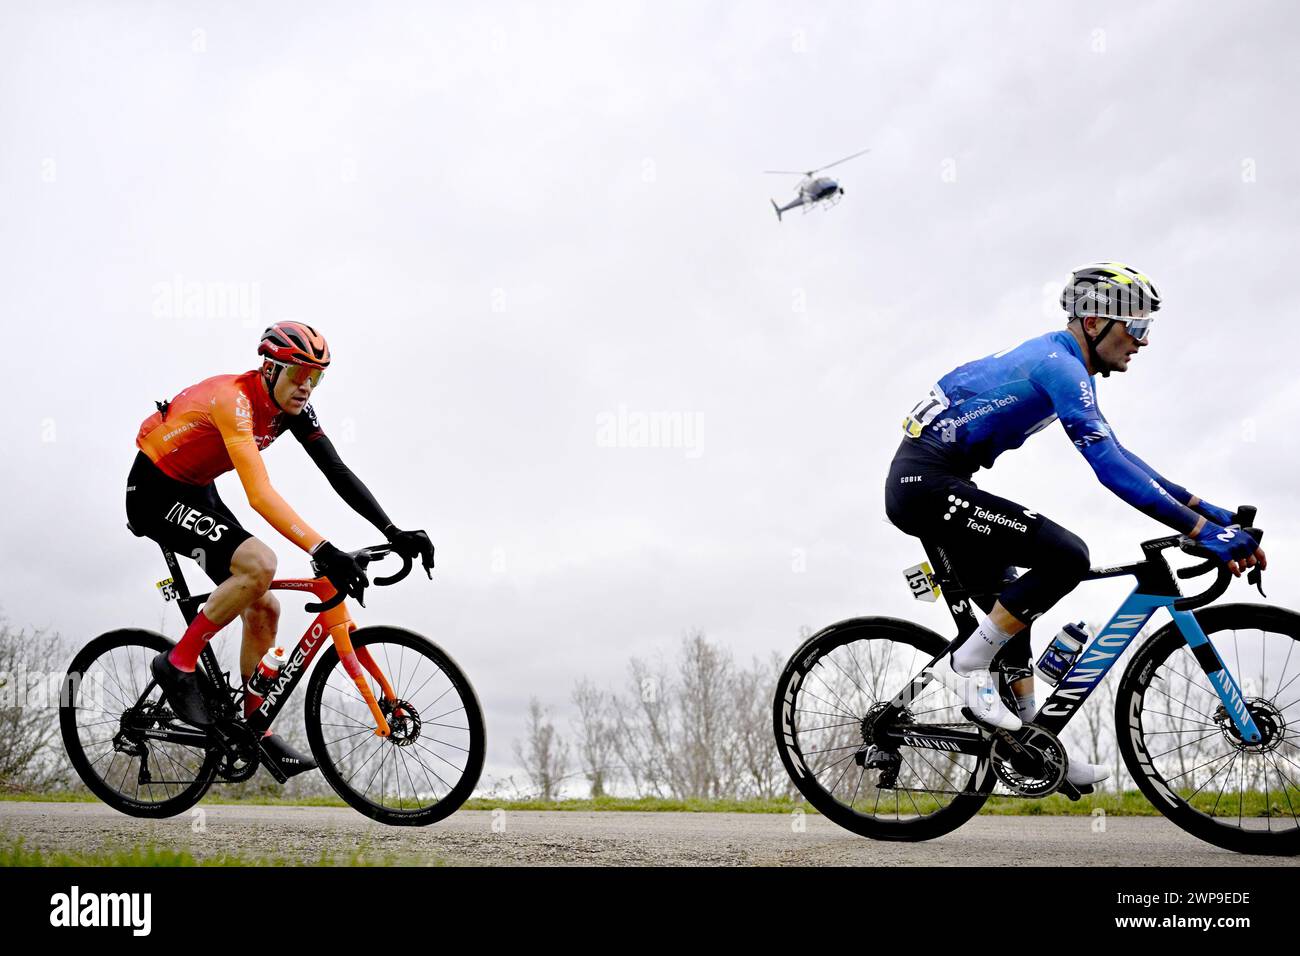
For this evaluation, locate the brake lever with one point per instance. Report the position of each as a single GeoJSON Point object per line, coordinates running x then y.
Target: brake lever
{"type": "Point", "coordinates": [1255, 576]}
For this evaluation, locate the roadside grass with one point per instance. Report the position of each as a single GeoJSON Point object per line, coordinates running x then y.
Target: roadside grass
{"type": "Point", "coordinates": [15, 852]}
{"type": "Point", "coordinates": [1130, 803]}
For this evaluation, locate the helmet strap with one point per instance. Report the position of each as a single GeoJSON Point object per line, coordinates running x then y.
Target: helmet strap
{"type": "Point", "coordinates": [1093, 358]}
{"type": "Point", "coordinates": [270, 375]}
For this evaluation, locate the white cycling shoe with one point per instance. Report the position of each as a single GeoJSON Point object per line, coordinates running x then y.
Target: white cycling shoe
{"type": "Point", "coordinates": [1086, 774]}
{"type": "Point", "coordinates": [1080, 774]}
{"type": "Point", "coordinates": [978, 690]}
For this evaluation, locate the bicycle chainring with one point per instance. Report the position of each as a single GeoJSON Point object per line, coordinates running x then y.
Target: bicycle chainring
{"type": "Point", "coordinates": [1033, 764]}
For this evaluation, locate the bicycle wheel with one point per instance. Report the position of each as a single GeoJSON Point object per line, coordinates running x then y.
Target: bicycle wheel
{"type": "Point", "coordinates": [431, 762]}
{"type": "Point", "coordinates": [823, 698]}
{"type": "Point", "coordinates": [1183, 749]}
{"type": "Point", "coordinates": [122, 739]}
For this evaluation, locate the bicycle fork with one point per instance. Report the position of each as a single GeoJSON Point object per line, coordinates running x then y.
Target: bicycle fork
{"type": "Point", "coordinates": [357, 662]}
{"type": "Point", "coordinates": [1224, 683]}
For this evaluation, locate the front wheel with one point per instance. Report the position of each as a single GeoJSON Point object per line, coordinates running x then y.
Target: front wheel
{"type": "Point", "coordinates": [1182, 747]}
{"type": "Point", "coordinates": [825, 700]}
{"type": "Point", "coordinates": [430, 763]}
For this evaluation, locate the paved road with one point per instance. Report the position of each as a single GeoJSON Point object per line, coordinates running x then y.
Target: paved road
{"type": "Point", "coordinates": [638, 839]}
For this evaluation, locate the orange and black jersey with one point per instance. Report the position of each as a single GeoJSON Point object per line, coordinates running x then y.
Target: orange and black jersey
{"type": "Point", "coordinates": [222, 424]}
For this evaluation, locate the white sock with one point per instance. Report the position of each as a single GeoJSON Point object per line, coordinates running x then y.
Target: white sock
{"type": "Point", "coordinates": [978, 650]}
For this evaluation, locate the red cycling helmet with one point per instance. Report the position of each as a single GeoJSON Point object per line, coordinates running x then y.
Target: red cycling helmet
{"type": "Point", "coordinates": [294, 343]}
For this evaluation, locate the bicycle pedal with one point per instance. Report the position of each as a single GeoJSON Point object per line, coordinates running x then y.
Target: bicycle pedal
{"type": "Point", "coordinates": [271, 766]}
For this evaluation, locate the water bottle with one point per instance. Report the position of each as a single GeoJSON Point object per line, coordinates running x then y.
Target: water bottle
{"type": "Point", "coordinates": [263, 678]}
{"type": "Point", "coordinates": [1062, 652]}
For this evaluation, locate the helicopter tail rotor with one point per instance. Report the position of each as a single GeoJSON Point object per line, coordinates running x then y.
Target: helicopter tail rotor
{"type": "Point", "coordinates": [777, 208]}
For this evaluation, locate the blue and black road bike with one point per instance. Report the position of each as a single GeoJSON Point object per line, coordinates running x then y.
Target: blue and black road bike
{"type": "Point", "coordinates": [1207, 716]}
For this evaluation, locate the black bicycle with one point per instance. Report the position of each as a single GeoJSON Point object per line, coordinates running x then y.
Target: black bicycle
{"type": "Point", "coordinates": [1205, 713]}
{"type": "Point", "coordinates": [393, 722]}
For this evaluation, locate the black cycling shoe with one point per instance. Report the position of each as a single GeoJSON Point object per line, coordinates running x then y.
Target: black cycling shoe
{"type": "Point", "coordinates": [182, 690]}
{"type": "Point", "coordinates": [289, 761]}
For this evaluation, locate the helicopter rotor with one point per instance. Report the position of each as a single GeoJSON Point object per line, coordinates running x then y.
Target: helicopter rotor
{"type": "Point", "coordinates": [811, 172]}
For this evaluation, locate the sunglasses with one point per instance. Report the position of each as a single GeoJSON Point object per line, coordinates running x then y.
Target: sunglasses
{"type": "Point", "coordinates": [1139, 328]}
{"type": "Point", "coordinates": [301, 374]}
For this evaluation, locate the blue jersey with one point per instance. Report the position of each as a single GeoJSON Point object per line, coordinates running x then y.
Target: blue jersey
{"type": "Point", "coordinates": [983, 408]}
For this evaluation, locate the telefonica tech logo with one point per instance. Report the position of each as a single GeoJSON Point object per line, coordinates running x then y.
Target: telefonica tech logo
{"type": "Point", "coordinates": [74, 908]}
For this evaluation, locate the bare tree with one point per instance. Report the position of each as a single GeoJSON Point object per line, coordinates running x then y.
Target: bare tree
{"type": "Point", "coordinates": [30, 682]}
{"type": "Point", "coordinates": [706, 723]}
{"type": "Point", "coordinates": [596, 744]}
{"type": "Point", "coordinates": [644, 736]}
{"type": "Point", "coordinates": [700, 729]}
{"type": "Point", "coordinates": [761, 772]}
{"type": "Point", "coordinates": [544, 755]}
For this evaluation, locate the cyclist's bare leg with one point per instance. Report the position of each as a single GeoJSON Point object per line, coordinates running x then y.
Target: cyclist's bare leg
{"type": "Point", "coordinates": [1004, 619]}
{"type": "Point", "coordinates": [261, 618]}
{"type": "Point", "coordinates": [251, 569]}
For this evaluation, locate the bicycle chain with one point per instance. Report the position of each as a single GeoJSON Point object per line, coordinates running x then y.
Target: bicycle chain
{"type": "Point", "coordinates": [965, 725]}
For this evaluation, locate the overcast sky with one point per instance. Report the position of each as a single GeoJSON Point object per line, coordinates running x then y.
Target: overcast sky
{"type": "Point", "coordinates": [521, 229]}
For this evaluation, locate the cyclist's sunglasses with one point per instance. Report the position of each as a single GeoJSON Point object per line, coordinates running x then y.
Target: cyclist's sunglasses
{"type": "Point", "coordinates": [300, 374]}
{"type": "Point", "coordinates": [1139, 328]}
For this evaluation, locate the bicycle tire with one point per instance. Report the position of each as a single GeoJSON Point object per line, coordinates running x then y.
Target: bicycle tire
{"type": "Point", "coordinates": [794, 681]}
{"type": "Point", "coordinates": [98, 766]}
{"type": "Point", "coordinates": [1137, 718]}
{"type": "Point", "coordinates": [332, 759]}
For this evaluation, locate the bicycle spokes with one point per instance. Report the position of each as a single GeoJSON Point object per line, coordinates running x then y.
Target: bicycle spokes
{"type": "Point", "coordinates": [427, 750]}
{"type": "Point", "coordinates": [840, 700]}
{"type": "Point", "coordinates": [1196, 747]}
{"type": "Point", "coordinates": [122, 737]}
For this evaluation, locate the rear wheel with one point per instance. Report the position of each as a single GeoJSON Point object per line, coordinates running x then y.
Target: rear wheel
{"type": "Point", "coordinates": [825, 699]}
{"type": "Point", "coordinates": [430, 763]}
{"type": "Point", "coordinates": [1182, 747]}
{"type": "Point", "coordinates": [122, 738]}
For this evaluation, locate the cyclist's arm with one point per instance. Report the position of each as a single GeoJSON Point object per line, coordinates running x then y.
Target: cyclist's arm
{"type": "Point", "coordinates": [306, 428]}
{"type": "Point", "coordinates": [237, 432]}
{"type": "Point", "coordinates": [1066, 384]}
{"type": "Point", "coordinates": [1179, 493]}
{"type": "Point", "coordinates": [1202, 507]}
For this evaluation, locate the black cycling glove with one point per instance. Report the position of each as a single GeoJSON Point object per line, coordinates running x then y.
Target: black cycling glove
{"type": "Point", "coordinates": [411, 544]}
{"type": "Point", "coordinates": [342, 570]}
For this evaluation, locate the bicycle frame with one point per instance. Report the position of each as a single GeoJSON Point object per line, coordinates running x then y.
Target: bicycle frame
{"type": "Point", "coordinates": [1156, 588]}
{"type": "Point", "coordinates": [335, 623]}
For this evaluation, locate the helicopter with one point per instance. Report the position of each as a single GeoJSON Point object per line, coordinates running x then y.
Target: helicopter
{"type": "Point", "coordinates": [811, 191]}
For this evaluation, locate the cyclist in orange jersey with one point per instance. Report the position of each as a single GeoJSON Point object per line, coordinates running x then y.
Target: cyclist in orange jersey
{"type": "Point", "coordinates": [222, 424]}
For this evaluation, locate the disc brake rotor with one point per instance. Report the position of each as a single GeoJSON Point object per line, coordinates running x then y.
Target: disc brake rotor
{"type": "Point", "coordinates": [1269, 720]}
{"type": "Point", "coordinates": [403, 722]}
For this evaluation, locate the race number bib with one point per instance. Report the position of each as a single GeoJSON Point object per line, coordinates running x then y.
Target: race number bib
{"type": "Point", "coordinates": [924, 412]}
{"type": "Point", "coordinates": [920, 580]}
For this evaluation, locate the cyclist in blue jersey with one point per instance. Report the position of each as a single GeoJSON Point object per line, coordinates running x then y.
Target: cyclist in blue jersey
{"type": "Point", "coordinates": [986, 407]}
